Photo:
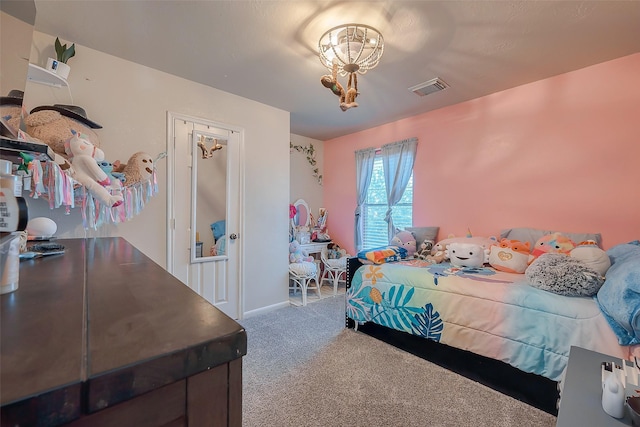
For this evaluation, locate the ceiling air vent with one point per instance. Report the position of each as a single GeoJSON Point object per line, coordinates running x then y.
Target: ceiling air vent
{"type": "Point", "coordinates": [431, 86]}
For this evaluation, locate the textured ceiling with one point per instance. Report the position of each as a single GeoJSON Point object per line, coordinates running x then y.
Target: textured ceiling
{"type": "Point", "coordinates": [266, 50]}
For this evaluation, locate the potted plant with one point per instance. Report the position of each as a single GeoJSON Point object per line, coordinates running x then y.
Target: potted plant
{"type": "Point", "coordinates": [63, 54]}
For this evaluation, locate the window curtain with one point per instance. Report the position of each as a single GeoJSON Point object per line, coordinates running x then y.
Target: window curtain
{"type": "Point", "coordinates": [397, 162]}
{"type": "Point", "coordinates": [364, 170]}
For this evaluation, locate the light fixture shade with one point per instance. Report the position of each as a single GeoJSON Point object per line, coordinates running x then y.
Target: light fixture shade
{"type": "Point", "coordinates": [355, 48]}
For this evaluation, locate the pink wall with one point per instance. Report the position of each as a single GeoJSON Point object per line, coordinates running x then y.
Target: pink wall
{"type": "Point", "coordinates": [561, 154]}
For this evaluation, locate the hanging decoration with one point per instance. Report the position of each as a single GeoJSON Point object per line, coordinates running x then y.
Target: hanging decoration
{"type": "Point", "coordinates": [346, 50]}
{"type": "Point", "coordinates": [310, 152]}
{"type": "Point", "coordinates": [348, 97]}
{"type": "Point", "coordinates": [47, 180]}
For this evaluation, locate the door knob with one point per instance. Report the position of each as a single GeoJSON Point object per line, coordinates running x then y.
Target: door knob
{"type": "Point", "coordinates": [233, 236]}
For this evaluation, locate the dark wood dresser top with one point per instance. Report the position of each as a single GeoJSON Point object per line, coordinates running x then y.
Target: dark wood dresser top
{"type": "Point", "coordinates": [102, 324]}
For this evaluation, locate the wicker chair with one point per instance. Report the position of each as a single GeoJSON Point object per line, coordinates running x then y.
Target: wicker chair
{"type": "Point", "coordinates": [301, 274]}
{"type": "Point", "coordinates": [334, 269]}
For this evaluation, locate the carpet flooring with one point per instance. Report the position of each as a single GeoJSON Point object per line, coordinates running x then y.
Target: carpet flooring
{"type": "Point", "coordinates": [303, 368]}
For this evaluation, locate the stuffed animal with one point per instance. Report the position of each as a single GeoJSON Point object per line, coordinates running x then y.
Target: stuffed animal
{"type": "Point", "coordinates": [555, 243]}
{"type": "Point", "coordinates": [334, 251]}
{"type": "Point", "coordinates": [297, 254]}
{"type": "Point", "coordinates": [84, 159]}
{"type": "Point", "coordinates": [467, 255]}
{"type": "Point", "coordinates": [139, 168]}
{"type": "Point", "coordinates": [405, 239]}
{"type": "Point", "coordinates": [424, 250]}
{"type": "Point", "coordinates": [511, 256]}
{"type": "Point", "coordinates": [116, 183]}
{"type": "Point", "coordinates": [592, 256]}
{"type": "Point", "coordinates": [54, 125]}
{"type": "Point", "coordinates": [438, 253]}
{"type": "Point", "coordinates": [347, 99]}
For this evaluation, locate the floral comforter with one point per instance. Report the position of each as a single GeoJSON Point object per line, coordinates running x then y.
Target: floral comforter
{"type": "Point", "coordinates": [488, 312]}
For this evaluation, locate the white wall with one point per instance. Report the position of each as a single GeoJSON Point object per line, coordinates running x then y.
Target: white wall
{"type": "Point", "coordinates": [303, 184]}
{"type": "Point", "coordinates": [130, 101]}
{"type": "Point", "coordinates": [15, 42]}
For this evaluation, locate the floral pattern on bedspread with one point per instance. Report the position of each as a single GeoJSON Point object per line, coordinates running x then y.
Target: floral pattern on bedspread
{"type": "Point", "coordinates": [488, 312]}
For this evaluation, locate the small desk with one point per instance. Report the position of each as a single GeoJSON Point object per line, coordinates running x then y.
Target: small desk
{"type": "Point", "coordinates": [314, 247]}
{"type": "Point", "coordinates": [581, 403]}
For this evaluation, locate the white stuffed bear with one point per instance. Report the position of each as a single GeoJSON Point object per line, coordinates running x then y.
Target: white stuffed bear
{"type": "Point", "coordinates": [84, 157]}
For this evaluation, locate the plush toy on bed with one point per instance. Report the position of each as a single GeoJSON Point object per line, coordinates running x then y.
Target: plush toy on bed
{"type": "Point", "coordinates": [592, 256]}
{"type": "Point", "coordinates": [554, 243]}
{"type": "Point", "coordinates": [405, 239]}
{"type": "Point", "coordinates": [467, 254]}
{"type": "Point", "coordinates": [297, 254]}
{"type": "Point", "coordinates": [425, 250]}
{"type": "Point", "coordinates": [438, 253]}
{"type": "Point", "coordinates": [511, 256]}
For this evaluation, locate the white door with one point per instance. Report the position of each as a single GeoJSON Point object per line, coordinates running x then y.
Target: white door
{"type": "Point", "coordinates": [204, 207]}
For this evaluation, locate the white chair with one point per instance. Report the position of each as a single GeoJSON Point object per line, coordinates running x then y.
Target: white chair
{"type": "Point", "coordinates": [334, 269]}
{"type": "Point", "coordinates": [301, 274]}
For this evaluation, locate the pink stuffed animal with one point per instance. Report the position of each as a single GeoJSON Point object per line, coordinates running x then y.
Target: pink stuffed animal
{"type": "Point", "coordinates": [555, 243]}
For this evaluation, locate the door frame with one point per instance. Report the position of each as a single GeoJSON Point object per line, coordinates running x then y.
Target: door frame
{"type": "Point", "coordinates": [171, 223]}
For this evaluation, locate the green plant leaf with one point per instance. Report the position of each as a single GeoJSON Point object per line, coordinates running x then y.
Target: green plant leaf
{"type": "Point", "coordinates": [63, 53]}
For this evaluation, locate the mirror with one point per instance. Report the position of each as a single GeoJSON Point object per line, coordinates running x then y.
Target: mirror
{"type": "Point", "coordinates": [209, 189]}
{"type": "Point", "coordinates": [302, 218]}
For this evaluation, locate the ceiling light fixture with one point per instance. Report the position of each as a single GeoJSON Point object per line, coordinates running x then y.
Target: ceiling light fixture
{"type": "Point", "coordinates": [355, 48]}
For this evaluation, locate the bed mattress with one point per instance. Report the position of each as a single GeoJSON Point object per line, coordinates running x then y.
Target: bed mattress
{"type": "Point", "coordinates": [482, 310]}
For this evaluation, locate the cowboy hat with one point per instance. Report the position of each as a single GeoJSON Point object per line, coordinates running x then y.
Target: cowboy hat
{"type": "Point", "coordinates": [13, 98]}
{"type": "Point", "coordinates": [72, 111]}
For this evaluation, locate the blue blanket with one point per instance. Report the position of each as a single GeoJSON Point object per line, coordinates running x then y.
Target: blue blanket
{"type": "Point", "coordinates": [619, 297]}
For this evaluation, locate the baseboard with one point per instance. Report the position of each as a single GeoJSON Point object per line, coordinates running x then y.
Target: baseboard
{"type": "Point", "coordinates": [263, 310]}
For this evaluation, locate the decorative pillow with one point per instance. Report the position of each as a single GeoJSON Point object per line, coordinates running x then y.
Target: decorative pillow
{"type": "Point", "coordinates": [511, 256]}
{"type": "Point", "coordinates": [531, 235]}
{"type": "Point", "coordinates": [382, 255]}
{"type": "Point", "coordinates": [424, 233]}
{"type": "Point", "coordinates": [405, 239]}
{"type": "Point", "coordinates": [555, 243]}
{"type": "Point", "coordinates": [563, 275]}
{"type": "Point", "coordinates": [485, 242]}
{"type": "Point", "coordinates": [594, 257]}
{"type": "Point", "coordinates": [467, 254]}
{"type": "Point", "coordinates": [303, 268]}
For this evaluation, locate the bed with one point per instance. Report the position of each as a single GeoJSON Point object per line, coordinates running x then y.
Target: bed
{"type": "Point", "coordinates": [495, 314]}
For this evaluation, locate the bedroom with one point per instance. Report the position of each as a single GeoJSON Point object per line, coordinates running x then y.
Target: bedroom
{"type": "Point", "coordinates": [566, 145]}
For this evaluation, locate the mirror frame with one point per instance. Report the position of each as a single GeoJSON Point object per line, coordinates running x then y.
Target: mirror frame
{"type": "Point", "coordinates": [195, 136]}
{"type": "Point", "coordinates": [301, 202]}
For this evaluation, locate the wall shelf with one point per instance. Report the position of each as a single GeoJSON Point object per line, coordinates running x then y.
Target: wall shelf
{"type": "Point", "coordinates": [40, 75]}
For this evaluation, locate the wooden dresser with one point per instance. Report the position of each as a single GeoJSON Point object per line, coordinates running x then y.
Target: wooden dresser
{"type": "Point", "coordinates": [103, 336]}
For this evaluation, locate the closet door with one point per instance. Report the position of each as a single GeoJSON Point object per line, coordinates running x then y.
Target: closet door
{"type": "Point", "coordinates": [204, 204]}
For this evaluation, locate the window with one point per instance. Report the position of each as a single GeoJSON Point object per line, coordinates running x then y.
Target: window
{"type": "Point", "coordinates": [375, 208]}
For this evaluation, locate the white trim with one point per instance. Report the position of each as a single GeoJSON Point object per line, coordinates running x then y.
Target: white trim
{"type": "Point", "coordinates": [267, 309]}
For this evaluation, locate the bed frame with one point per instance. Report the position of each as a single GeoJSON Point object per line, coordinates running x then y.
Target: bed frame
{"type": "Point", "coordinates": [532, 389]}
